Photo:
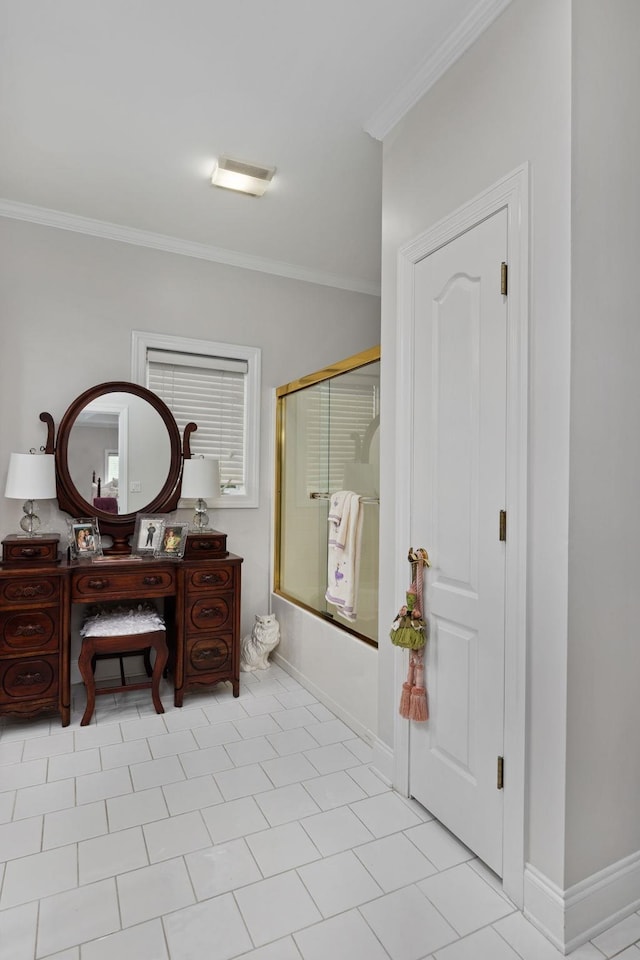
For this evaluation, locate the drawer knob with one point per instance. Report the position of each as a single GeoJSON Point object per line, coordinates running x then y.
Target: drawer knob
{"type": "Point", "coordinates": [30, 591]}
{"type": "Point", "coordinates": [211, 578]}
{"type": "Point", "coordinates": [98, 584]}
{"type": "Point", "coordinates": [212, 657]}
{"type": "Point", "coordinates": [151, 581]}
{"type": "Point", "coordinates": [207, 612]}
{"type": "Point", "coordinates": [29, 552]}
{"type": "Point", "coordinates": [204, 654]}
{"type": "Point", "coordinates": [30, 630]}
{"type": "Point", "coordinates": [28, 679]}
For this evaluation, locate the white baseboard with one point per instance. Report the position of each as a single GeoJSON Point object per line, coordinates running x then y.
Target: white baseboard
{"type": "Point", "coordinates": [357, 727]}
{"type": "Point", "coordinates": [571, 917]}
{"type": "Point", "coordinates": [544, 905]}
{"type": "Point", "coordinates": [383, 761]}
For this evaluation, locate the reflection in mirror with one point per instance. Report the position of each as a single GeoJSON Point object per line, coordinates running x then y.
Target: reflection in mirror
{"type": "Point", "coordinates": [94, 432]}
{"type": "Point", "coordinates": [127, 424]}
{"type": "Point", "coordinates": [111, 468]}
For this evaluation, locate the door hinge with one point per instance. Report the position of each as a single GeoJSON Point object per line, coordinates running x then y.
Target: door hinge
{"type": "Point", "coordinates": [500, 779]}
{"type": "Point", "coordinates": [503, 525]}
{"type": "Point", "coordinates": [503, 278]}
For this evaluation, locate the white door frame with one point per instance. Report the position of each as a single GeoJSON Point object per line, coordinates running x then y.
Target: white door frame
{"type": "Point", "coordinates": [512, 193]}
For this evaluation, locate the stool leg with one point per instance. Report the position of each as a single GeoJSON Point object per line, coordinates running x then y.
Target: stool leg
{"type": "Point", "coordinates": [162, 653]}
{"type": "Point", "coordinates": [84, 666]}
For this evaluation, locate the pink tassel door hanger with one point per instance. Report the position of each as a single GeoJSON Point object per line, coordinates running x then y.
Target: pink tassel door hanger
{"type": "Point", "coordinates": [409, 631]}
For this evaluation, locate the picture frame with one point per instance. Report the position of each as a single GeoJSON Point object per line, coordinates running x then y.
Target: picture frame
{"type": "Point", "coordinates": [147, 535]}
{"type": "Point", "coordinates": [84, 538]}
{"type": "Point", "coordinates": [174, 540]}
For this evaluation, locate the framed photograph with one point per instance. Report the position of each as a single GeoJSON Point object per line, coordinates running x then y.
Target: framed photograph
{"type": "Point", "coordinates": [174, 540]}
{"type": "Point", "coordinates": [147, 536]}
{"type": "Point", "coordinates": [84, 538]}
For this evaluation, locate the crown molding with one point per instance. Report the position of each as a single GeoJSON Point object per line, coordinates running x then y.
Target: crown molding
{"type": "Point", "coordinates": [434, 67]}
{"type": "Point", "coordinates": [186, 248]}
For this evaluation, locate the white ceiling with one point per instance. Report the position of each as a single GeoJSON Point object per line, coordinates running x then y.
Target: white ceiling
{"type": "Point", "coordinates": [114, 110]}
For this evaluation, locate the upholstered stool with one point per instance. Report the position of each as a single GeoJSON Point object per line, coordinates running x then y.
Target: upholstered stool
{"type": "Point", "coordinates": [119, 632]}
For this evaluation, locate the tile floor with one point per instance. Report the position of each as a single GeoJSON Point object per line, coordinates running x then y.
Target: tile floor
{"type": "Point", "coordinates": [250, 828]}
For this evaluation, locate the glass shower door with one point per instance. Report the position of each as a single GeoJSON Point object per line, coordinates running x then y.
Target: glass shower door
{"type": "Point", "coordinates": [328, 442]}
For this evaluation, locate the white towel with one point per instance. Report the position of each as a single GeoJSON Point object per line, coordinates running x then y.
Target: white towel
{"type": "Point", "coordinates": [343, 561]}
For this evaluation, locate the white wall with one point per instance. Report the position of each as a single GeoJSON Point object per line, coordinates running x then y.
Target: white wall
{"type": "Point", "coordinates": [603, 775]}
{"type": "Point", "coordinates": [505, 102]}
{"type": "Point", "coordinates": [69, 304]}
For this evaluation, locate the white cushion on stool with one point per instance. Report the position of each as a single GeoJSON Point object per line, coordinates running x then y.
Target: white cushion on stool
{"type": "Point", "coordinates": [122, 621]}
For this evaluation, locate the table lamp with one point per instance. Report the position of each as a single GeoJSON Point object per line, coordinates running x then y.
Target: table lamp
{"type": "Point", "coordinates": [31, 477]}
{"type": "Point", "coordinates": [200, 481]}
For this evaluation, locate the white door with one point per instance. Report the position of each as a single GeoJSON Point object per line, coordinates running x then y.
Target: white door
{"type": "Point", "coordinates": [458, 492]}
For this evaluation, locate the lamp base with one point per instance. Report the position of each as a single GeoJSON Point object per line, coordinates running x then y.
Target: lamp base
{"type": "Point", "coordinates": [30, 522]}
{"type": "Point", "coordinates": [200, 522]}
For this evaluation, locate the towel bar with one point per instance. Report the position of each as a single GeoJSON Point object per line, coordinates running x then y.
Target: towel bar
{"type": "Point", "coordinates": [327, 496]}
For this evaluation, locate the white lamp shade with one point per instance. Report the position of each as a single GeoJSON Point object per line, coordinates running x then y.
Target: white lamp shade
{"type": "Point", "coordinates": [200, 479]}
{"type": "Point", "coordinates": [31, 476]}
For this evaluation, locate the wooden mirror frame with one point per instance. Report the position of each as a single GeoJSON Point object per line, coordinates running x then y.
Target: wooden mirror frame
{"type": "Point", "coordinates": [118, 526]}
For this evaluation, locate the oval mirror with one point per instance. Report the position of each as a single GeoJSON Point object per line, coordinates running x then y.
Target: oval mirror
{"type": "Point", "coordinates": [118, 454]}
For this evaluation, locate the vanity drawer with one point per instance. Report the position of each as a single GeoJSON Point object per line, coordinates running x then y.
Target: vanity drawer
{"type": "Point", "coordinates": [29, 590]}
{"type": "Point", "coordinates": [20, 550]}
{"type": "Point", "coordinates": [210, 654]}
{"type": "Point", "coordinates": [98, 584]}
{"type": "Point", "coordinates": [209, 578]}
{"type": "Point", "coordinates": [210, 619]}
{"type": "Point", "coordinates": [24, 630]}
{"type": "Point", "coordinates": [33, 678]}
{"type": "Point", "coordinates": [210, 613]}
{"type": "Point", "coordinates": [206, 546]}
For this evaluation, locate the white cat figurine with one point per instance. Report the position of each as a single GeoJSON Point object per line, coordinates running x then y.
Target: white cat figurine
{"type": "Point", "coordinates": [256, 646]}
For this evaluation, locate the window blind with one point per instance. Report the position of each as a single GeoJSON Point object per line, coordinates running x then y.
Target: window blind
{"type": "Point", "coordinates": [337, 419]}
{"type": "Point", "coordinates": [211, 392]}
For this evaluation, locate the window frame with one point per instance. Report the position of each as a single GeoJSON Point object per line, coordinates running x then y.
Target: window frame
{"type": "Point", "coordinates": [142, 342]}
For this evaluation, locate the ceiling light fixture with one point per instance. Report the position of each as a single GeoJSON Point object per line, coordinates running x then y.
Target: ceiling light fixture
{"type": "Point", "coordinates": [244, 177]}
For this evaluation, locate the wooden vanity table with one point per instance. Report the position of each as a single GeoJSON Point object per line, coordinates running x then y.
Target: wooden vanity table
{"type": "Point", "coordinates": [39, 587]}
{"type": "Point", "coordinates": [202, 613]}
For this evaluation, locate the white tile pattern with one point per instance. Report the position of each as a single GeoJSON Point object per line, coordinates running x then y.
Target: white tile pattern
{"type": "Point", "coordinates": [250, 828]}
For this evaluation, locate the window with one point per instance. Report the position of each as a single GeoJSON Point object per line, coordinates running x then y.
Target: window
{"type": "Point", "coordinates": [111, 466]}
{"type": "Point", "coordinates": [339, 418]}
{"type": "Point", "coordinates": [217, 386]}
